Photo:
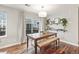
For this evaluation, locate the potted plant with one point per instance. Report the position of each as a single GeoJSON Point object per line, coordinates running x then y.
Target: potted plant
{"type": "Point", "coordinates": [64, 23]}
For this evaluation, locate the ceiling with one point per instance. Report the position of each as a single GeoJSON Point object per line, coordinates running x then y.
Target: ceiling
{"type": "Point", "coordinates": [35, 8]}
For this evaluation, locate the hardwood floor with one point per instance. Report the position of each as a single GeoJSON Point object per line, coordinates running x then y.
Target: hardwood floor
{"type": "Point", "coordinates": [71, 49]}
{"type": "Point", "coordinates": [21, 49]}
{"type": "Point", "coordinates": [16, 49]}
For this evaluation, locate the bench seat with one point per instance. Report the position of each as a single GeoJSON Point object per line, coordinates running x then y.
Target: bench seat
{"type": "Point", "coordinates": [47, 41]}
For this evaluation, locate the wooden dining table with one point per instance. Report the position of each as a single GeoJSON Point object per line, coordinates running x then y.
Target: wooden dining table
{"type": "Point", "coordinates": [38, 36]}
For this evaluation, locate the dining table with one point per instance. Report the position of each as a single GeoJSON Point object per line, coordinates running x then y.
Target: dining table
{"type": "Point", "coordinates": [38, 36]}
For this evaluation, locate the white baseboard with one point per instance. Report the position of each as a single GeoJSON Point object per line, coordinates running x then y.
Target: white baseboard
{"type": "Point", "coordinates": [70, 43]}
{"type": "Point", "coordinates": [10, 45]}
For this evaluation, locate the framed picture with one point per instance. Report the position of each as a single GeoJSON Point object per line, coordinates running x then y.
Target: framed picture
{"type": "Point", "coordinates": [56, 20]}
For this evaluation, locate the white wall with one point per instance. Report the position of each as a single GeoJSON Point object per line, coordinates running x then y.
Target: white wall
{"type": "Point", "coordinates": [12, 26]}
{"type": "Point", "coordinates": [71, 13]}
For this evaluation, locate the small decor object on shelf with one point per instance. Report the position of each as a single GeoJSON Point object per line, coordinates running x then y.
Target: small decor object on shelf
{"type": "Point", "coordinates": [47, 21]}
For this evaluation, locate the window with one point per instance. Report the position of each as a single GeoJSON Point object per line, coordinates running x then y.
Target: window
{"type": "Point", "coordinates": [3, 22]}
{"type": "Point", "coordinates": [32, 26]}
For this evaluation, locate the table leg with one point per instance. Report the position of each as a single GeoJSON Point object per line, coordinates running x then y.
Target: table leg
{"type": "Point", "coordinates": [35, 42]}
{"type": "Point", "coordinates": [56, 44]}
{"type": "Point", "coordinates": [27, 42]}
{"type": "Point", "coordinates": [55, 34]}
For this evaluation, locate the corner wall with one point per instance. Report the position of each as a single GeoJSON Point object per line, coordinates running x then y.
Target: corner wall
{"type": "Point", "coordinates": [71, 13]}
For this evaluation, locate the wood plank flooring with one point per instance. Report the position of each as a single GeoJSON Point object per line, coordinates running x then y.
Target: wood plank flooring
{"type": "Point", "coordinates": [16, 49]}
{"type": "Point", "coordinates": [71, 49]}
{"type": "Point", "coordinates": [22, 49]}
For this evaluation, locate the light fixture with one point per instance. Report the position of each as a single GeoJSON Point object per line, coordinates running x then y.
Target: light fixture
{"type": "Point", "coordinates": [42, 13]}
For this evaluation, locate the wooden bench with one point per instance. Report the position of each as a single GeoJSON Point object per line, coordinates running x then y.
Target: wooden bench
{"type": "Point", "coordinates": [48, 41]}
